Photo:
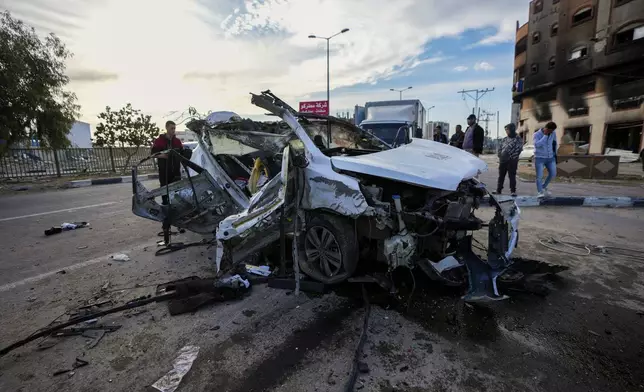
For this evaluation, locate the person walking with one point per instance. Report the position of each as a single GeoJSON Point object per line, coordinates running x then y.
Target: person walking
{"type": "Point", "coordinates": [458, 137]}
{"type": "Point", "coordinates": [509, 151]}
{"type": "Point", "coordinates": [474, 137]}
{"type": "Point", "coordinates": [545, 156]}
{"type": "Point", "coordinates": [169, 165]}
{"type": "Point", "coordinates": [439, 136]}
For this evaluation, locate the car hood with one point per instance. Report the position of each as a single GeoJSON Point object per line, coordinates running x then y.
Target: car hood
{"type": "Point", "coordinates": [421, 162]}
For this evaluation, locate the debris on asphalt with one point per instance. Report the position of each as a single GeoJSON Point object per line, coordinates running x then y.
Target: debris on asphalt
{"type": "Point", "coordinates": [404, 368]}
{"type": "Point", "coordinates": [262, 270]}
{"type": "Point", "coordinates": [82, 247]}
{"type": "Point", "coordinates": [363, 367]}
{"type": "Point", "coordinates": [66, 226]}
{"type": "Point", "coordinates": [593, 333]}
{"type": "Point", "coordinates": [120, 257]}
{"type": "Point", "coordinates": [235, 278]}
{"type": "Point", "coordinates": [32, 299]}
{"type": "Point", "coordinates": [79, 363]}
{"type": "Point", "coordinates": [180, 367]}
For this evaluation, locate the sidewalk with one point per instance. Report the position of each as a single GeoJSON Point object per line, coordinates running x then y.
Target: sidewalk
{"type": "Point", "coordinates": [580, 188]}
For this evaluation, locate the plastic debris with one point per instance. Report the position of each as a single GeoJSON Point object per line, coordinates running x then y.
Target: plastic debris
{"type": "Point", "coordinates": [120, 257]}
{"type": "Point", "coordinates": [262, 270]}
{"type": "Point", "coordinates": [236, 278]}
{"type": "Point", "coordinates": [66, 226]}
{"type": "Point", "coordinates": [180, 367]}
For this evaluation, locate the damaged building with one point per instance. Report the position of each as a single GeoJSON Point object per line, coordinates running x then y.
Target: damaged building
{"type": "Point", "coordinates": [579, 63]}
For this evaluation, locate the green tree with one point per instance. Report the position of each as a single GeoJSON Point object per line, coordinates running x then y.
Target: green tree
{"type": "Point", "coordinates": [33, 100]}
{"type": "Point", "coordinates": [127, 129]}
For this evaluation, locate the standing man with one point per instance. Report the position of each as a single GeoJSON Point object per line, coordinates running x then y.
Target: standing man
{"type": "Point", "coordinates": [169, 164]}
{"type": "Point", "coordinates": [511, 147]}
{"type": "Point", "coordinates": [474, 137]}
{"type": "Point", "coordinates": [439, 136]}
{"type": "Point", "coordinates": [545, 155]}
{"type": "Point", "coordinates": [458, 137]}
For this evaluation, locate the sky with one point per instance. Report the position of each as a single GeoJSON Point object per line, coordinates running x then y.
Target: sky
{"type": "Point", "coordinates": [164, 56]}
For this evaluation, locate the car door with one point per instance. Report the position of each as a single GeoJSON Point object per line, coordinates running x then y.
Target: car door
{"type": "Point", "coordinates": [196, 203]}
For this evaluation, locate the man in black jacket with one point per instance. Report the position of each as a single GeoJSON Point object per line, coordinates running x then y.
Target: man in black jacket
{"type": "Point", "coordinates": [474, 137]}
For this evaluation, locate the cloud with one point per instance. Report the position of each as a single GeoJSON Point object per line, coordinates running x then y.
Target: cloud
{"type": "Point", "coordinates": [90, 75]}
{"type": "Point", "coordinates": [483, 66]}
{"type": "Point", "coordinates": [506, 33]}
{"type": "Point", "coordinates": [211, 53]}
{"type": "Point", "coordinates": [460, 68]}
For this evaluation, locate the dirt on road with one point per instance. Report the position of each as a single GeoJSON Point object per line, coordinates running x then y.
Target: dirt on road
{"type": "Point", "coordinates": [587, 334]}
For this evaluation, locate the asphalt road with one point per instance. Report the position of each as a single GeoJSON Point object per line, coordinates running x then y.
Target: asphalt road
{"type": "Point", "coordinates": [586, 335]}
{"type": "Point", "coordinates": [27, 252]}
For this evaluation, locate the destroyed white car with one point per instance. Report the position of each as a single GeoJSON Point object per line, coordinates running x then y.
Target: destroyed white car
{"type": "Point", "coordinates": [351, 203]}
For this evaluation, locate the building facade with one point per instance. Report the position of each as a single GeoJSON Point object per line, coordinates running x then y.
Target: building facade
{"type": "Point", "coordinates": [580, 63]}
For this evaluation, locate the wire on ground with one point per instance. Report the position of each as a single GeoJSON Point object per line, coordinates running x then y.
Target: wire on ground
{"type": "Point", "coordinates": [351, 382]}
{"type": "Point", "coordinates": [580, 248]}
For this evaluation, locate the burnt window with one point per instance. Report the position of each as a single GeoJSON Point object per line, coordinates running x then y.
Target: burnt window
{"type": "Point", "coordinates": [583, 15]}
{"type": "Point", "coordinates": [629, 35]}
{"type": "Point", "coordinates": [536, 37]}
{"type": "Point", "coordinates": [578, 53]}
{"type": "Point", "coordinates": [538, 6]}
{"type": "Point", "coordinates": [551, 62]}
{"type": "Point", "coordinates": [534, 68]}
{"type": "Point", "coordinates": [580, 89]}
{"type": "Point", "coordinates": [554, 29]}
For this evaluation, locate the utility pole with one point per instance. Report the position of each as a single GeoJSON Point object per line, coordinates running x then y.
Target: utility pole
{"type": "Point", "coordinates": [487, 116]}
{"type": "Point", "coordinates": [478, 94]}
{"type": "Point", "coordinates": [497, 131]}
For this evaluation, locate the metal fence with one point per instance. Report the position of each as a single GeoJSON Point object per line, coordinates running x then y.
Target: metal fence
{"type": "Point", "coordinates": [41, 162]}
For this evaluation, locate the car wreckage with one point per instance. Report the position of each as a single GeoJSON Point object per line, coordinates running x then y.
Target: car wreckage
{"type": "Point", "coordinates": [345, 197]}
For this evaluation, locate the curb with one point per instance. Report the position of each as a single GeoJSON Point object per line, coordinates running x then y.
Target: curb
{"type": "Point", "coordinates": [577, 201]}
{"type": "Point", "coordinates": [109, 181]}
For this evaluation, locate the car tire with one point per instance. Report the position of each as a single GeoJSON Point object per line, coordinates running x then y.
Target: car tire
{"type": "Point", "coordinates": [328, 249]}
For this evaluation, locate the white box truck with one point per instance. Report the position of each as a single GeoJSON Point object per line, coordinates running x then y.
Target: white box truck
{"type": "Point", "coordinates": [394, 122]}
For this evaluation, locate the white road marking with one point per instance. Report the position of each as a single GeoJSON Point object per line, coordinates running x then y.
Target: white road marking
{"type": "Point", "coordinates": [73, 267]}
{"type": "Point", "coordinates": [10, 286]}
{"type": "Point", "coordinates": [57, 211]}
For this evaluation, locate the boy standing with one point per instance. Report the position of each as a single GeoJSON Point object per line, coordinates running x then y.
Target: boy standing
{"type": "Point", "coordinates": [545, 156]}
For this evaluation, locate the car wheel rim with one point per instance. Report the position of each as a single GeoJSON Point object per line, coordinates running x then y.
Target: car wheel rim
{"type": "Point", "coordinates": [321, 247]}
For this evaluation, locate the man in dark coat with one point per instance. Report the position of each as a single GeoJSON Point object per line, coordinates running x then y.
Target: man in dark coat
{"type": "Point", "coordinates": [474, 137]}
{"type": "Point", "coordinates": [439, 136]}
{"type": "Point", "coordinates": [169, 165]}
{"type": "Point", "coordinates": [458, 137]}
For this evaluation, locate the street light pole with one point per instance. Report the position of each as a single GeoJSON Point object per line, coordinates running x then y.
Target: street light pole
{"type": "Point", "coordinates": [328, 78]}
{"type": "Point", "coordinates": [400, 91]}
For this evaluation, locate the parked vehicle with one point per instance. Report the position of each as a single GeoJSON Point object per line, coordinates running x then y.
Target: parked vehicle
{"type": "Point", "coordinates": [394, 122]}
{"type": "Point", "coordinates": [528, 153]}
{"type": "Point", "coordinates": [356, 201]}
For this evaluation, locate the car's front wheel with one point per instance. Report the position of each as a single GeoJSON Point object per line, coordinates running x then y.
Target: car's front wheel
{"type": "Point", "coordinates": [329, 249]}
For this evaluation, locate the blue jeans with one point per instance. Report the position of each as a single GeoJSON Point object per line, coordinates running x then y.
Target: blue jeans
{"type": "Point", "coordinates": [548, 163]}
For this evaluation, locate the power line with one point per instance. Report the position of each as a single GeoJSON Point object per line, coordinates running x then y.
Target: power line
{"type": "Point", "coordinates": [487, 115]}
{"type": "Point", "coordinates": [479, 93]}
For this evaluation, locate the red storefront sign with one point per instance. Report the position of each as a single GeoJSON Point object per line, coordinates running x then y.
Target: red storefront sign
{"type": "Point", "coordinates": [316, 107]}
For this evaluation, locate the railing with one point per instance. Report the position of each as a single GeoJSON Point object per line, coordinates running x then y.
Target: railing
{"type": "Point", "coordinates": [41, 162]}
